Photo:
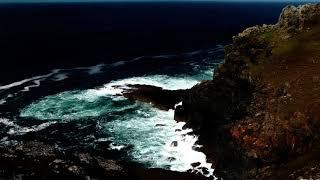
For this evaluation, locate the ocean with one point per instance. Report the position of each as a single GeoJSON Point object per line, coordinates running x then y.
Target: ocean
{"type": "Point", "coordinates": [66, 65]}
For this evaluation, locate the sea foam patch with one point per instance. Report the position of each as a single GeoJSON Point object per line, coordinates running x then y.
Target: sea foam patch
{"type": "Point", "coordinates": [158, 140]}
{"type": "Point", "coordinates": [2, 101]}
{"type": "Point", "coordinates": [20, 130]}
{"type": "Point", "coordinates": [55, 74]}
{"type": "Point", "coordinates": [150, 131]}
{"type": "Point", "coordinates": [152, 135]}
{"type": "Point", "coordinates": [96, 102]}
{"type": "Point", "coordinates": [164, 81]}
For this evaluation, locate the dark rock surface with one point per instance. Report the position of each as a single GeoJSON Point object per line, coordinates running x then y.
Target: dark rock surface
{"type": "Point", "coordinates": [51, 153]}
{"type": "Point", "coordinates": [261, 110]}
{"type": "Point", "coordinates": [232, 112]}
{"type": "Point", "coordinates": [160, 98]}
{"type": "Point", "coordinates": [196, 164]}
{"type": "Point", "coordinates": [36, 160]}
{"type": "Point", "coordinates": [259, 116]}
{"type": "Point", "coordinates": [294, 19]}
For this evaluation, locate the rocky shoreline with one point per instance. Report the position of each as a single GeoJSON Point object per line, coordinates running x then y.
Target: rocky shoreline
{"type": "Point", "coordinates": [258, 118]}
{"type": "Point", "coordinates": [262, 103]}
{"type": "Point", "coordinates": [158, 97]}
{"type": "Point", "coordinates": [259, 115]}
{"type": "Point", "coordinates": [53, 155]}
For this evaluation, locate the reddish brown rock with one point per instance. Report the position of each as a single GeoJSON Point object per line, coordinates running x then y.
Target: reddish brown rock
{"type": "Point", "coordinates": [263, 105]}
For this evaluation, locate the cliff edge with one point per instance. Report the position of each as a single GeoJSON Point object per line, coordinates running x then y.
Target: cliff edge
{"type": "Point", "coordinates": [262, 108]}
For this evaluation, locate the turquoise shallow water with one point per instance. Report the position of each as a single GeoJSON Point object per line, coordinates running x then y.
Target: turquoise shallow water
{"type": "Point", "coordinates": [149, 130]}
{"type": "Point", "coordinates": [148, 135]}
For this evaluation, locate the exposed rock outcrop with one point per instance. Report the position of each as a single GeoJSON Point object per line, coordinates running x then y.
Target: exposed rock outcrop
{"type": "Point", "coordinates": [263, 102]}
{"type": "Point", "coordinates": [38, 160]}
{"type": "Point", "coordinates": [294, 19]}
{"type": "Point", "coordinates": [260, 115]}
{"type": "Point", "coordinates": [161, 98]}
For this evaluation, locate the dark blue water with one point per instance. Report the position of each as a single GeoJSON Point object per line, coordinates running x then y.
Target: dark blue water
{"type": "Point", "coordinates": [67, 64]}
{"type": "Point", "coordinates": [34, 37]}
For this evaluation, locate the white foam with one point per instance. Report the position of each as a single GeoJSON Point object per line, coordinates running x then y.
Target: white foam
{"type": "Point", "coordinates": [36, 84]}
{"type": "Point", "coordinates": [91, 69]}
{"type": "Point", "coordinates": [163, 56]}
{"type": "Point", "coordinates": [57, 77]}
{"type": "Point", "coordinates": [152, 145]}
{"type": "Point", "coordinates": [19, 83]}
{"type": "Point", "coordinates": [164, 81]}
{"type": "Point", "coordinates": [4, 139]}
{"type": "Point", "coordinates": [55, 71]}
{"type": "Point", "coordinates": [99, 69]}
{"type": "Point", "coordinates": [95, 69]}
{"type": "Point", "coordinates": [194, 52]}
{"type": "Point", "coordinates": [116, 147]}
{"type": "Point", "coordinates": [118, 63]}
{"type": "Point", "coordinates": [179, 104]}
{"type": "Point", "coordinates": [60, 77]}
{"type": "Point", "coordinates": [137, 126]}
{"type": "Point", "coordinates": [145, 152]}
{"type": "Point", "coordinates": [184, 153]}
{"type": "Point", "coordinates": [2, 101]}
{"type": "Point", "coordinates": [6, 122]}
{"type": "Point", "coordinates": [103, 139]}
{"type": "Point", "coordinates": [19, 130]}
{"type": "Point", "coordinates": [7, 143]}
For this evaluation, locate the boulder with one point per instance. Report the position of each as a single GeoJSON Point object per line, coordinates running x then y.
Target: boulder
{"type": "Point", "coordinates": [158, 97]}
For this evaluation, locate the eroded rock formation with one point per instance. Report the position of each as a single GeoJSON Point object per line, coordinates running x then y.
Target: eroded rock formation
{"type": "Point", "coordinates": [263, 102]}
{"type": "Point", "coordinates": [161, 98]}
{"type": "Point", "coordinates": [259, 117]}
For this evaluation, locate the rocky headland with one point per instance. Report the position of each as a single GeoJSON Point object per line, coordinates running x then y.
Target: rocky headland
{"type": "Point", "coordinates": [259, 117]}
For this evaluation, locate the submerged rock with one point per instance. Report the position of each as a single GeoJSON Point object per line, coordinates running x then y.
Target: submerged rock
{"type": "Point", "coordinates": [205, 170]}
{"type": "Point", "coordinates": [174, 143]}
{"type": "Point", "coordinates": [160, 125]}
{"type": "Point", "coordinates": [196, 164]}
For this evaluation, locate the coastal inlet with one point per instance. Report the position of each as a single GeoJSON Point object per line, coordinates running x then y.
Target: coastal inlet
{"type": "Point", "coordinates": [146, 134]}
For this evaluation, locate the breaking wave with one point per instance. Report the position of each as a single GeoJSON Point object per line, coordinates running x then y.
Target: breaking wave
{"type": "Point", "coordinates": [157, 140]}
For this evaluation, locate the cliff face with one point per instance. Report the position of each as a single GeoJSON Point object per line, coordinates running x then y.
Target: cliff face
{"type": "Point", "coordinates": [265, 99]}
{"type": "Point", "coordinates": [296, 19]}
{"type": "Point", "coordinates": [284, 113]}
{"type": "Point", "coordinates": [259, 117]}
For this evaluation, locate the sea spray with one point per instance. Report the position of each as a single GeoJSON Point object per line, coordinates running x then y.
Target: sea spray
{"type": "Point", "coordinates": [148, 130]}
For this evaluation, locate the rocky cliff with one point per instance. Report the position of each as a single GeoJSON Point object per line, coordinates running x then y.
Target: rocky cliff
{"type": "Point", "coordinates": [262, 107]}
{"type": "Point", "coordinates": [258, 118]}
